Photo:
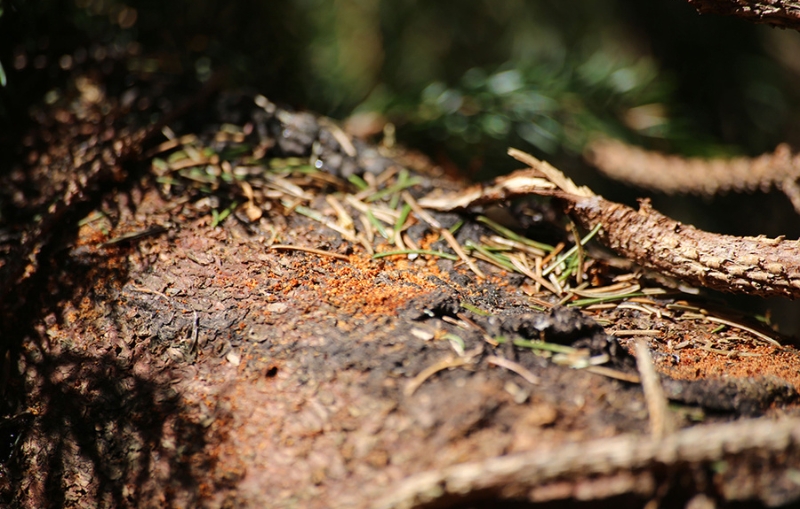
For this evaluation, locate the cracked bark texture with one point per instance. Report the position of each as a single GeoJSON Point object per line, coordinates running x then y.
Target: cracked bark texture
{"type": "Point", "coordinates": [781, 13]}
{"type": "Point", "coordinates": [751, 265]}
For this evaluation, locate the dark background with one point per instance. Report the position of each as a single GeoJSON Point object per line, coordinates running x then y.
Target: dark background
{"type": "Point", "coordinates": [461, 79]}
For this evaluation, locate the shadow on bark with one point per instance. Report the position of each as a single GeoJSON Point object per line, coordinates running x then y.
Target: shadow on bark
{"type": "Point", "coordinates": [95, 413]}
{"type": "Point", "coordinates": [88, 420]}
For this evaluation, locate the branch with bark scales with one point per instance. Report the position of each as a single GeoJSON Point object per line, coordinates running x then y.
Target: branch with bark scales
{"type": "Point", "coordinates": [617, 465]}
{"type": "Point", "coordinates": [750, 265]}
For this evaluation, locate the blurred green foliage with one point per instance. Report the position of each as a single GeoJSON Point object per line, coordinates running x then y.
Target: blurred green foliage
{"type": "Point", "coordinates": [466, 78]}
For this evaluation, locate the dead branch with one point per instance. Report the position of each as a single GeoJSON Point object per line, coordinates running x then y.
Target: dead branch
{"type": "Point", "coordinates": [674, 174]}
{"type": "Point", "coordinates": [502, 188]}
{"type": "Point", "coordinates": [750, 265]}
{"type": "Point", "coordinates": [527, 475]}
{"type": "Point", "coordinates": [781, 13]}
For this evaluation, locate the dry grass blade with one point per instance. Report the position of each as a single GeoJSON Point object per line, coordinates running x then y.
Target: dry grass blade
{"type": "Point", "coordinates": [644, 308]}
{"type": "Point", "coordinates": [418, 252]}
{"type": "Point", "coordinates": [339, 135]}
{"type": "Point", "coordinates": [419, 211]}
{"type": "Point", "coordinates": [447, 363]}
{"type": "Point", "coordinates": [385, 214]}
{"type": "Point", "coordinates": [283, 185]}
{"type": "Point", "coordinates": [517, 262]}
{"type": "Point", "coordinates": [609, 291]}
{"type": "Point", "coordinates": [319, 217]}
{"type": "Point", "coordinates": [444, 232]}
{"type": "Point", "coordinates": [515, 367]}
{"type": "Point", "coordinates": [410, 242]}
{"type": "Point", "coordinates": [455, 246]}
{"type": "Point", "coordinates": [579, 274]}
{"type": "Point", "coordinates": [657, 405]}
{"type": "Point", "coordinates": [551, 174]}
{"type": "Point", "coordinates": [538, 248]}
{"type": "Point", "coordinates": [759, 335]}
{"type": "Point", "coordinates": [579, 243]}
{"type": "Point", "coordinates": [613, 373]}
{"type": "Point", "coordinates": [369, 230]}
{"type": "Point", "coordinates": [171, 143]}
{"type": "Point", "coordinates": [502, 241]}
{"type": "Point", "coordinates": [345, 220]}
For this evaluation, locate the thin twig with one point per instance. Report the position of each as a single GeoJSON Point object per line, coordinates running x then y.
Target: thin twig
{"type": "Point", "coordinates": [449, 362]}
{"type": "Point", "coordinates": [759, 335]}
{"type": "Point", "coordinates": [320, 252]}
{"type": "Point", "coordinates": [515, 367]}
{"type": "Point", "coordinates": [613, 373]}
{"type": "Point", "coordinates": [657, 405]}
{"type": "Point", "coordinates": [519, 475]}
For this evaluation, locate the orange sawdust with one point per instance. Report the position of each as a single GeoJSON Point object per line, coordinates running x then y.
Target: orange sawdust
{"type": "Point", "coordinates": [89, 235]}
{"type": "Point", "coordinates": [367, 288]}
{"type": "Point", "coordinates": [752, 361]}
{"type": "Point", "coordinates": [429, 240]}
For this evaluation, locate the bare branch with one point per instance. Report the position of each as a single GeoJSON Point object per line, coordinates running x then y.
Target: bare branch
{"type": "Point", "coordinates": [674, 174]}
{"type": "Point", "coordinates": [528, 475]}
{"type": "Point", "coordinates": [515, 184]}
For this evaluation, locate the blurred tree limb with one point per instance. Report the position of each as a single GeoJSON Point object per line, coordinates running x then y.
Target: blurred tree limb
{"type": "Point", "coordinates": [782, 13]}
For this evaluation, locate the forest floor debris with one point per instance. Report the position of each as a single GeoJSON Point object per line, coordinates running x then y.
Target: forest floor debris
{"type": "Point", "coordinates": [300, 327]}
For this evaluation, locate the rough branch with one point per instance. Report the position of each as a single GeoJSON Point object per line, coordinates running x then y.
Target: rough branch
{"type": "Point", "coordinates": [528, 474]}
{"type": "Point", "coordinates": [782, 13]}
{"type": "Point", "coordinates": [751, 265]}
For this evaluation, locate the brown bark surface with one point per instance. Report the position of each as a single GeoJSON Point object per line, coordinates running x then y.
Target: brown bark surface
{"type": "Point", "coordinates": [751, 265]}
{"type": "Point", "coordinates": [166, 353]}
